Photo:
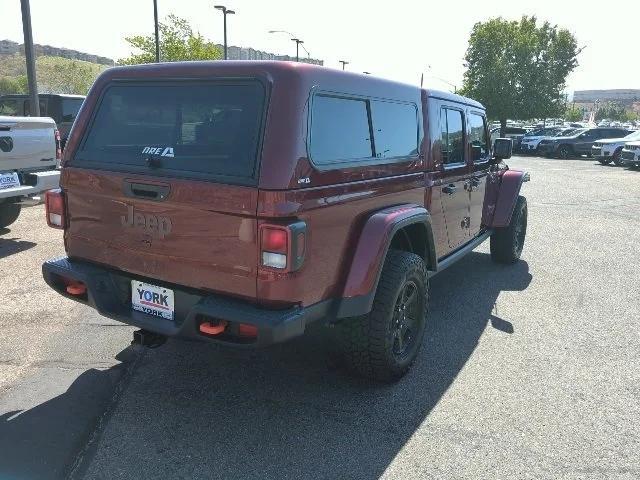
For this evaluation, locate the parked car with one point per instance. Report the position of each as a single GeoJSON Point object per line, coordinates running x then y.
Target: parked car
{"type": "Point", "coordinates": [609, 150]}
{"type": "Point", "coordinates": [514, 133]}
{"type": "Point", "coordinates": [61, 107]}
{"type": "Point", "coordinates": [579, 143]}
{"type": "Point", "coordinates": [29, 151]}
{"type": "Point", "coordinates": [630, 155]}
{"type": "Point", "coordinates": [530, 140]}
{"type": "Point", "coordinates": [190, 209]}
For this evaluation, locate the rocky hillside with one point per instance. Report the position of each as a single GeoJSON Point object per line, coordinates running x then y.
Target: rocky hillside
{"type": "Point", "coordinates": [7, 48]}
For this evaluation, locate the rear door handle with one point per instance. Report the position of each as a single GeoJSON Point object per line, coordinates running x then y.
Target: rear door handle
{"type": "Point", "coordinates": [449, 189]}
{"type": "Point", "coordinates": [145, 190]}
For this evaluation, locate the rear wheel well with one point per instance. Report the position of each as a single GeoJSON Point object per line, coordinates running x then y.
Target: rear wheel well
{"type": "Point", "coordinates": [413, 238]}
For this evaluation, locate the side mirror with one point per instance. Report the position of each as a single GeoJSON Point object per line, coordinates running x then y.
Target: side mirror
{"type": "Point", "coordinates": [502, 148]}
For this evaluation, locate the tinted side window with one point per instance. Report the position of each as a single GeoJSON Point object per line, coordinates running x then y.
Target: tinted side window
{"type": "Point", "coordinates": [617, 133]}
{"type": "Point", "coordinates": [339, 130]}
{"type": "Point", "coordinates": [12, 107]}
{"type": "Point", "coordinates": [70, 107]}
{"type": "Point", "coordinates": [395, 129]}
{"type": "Point", "coordinates": [589, 134]}
{"type": "Point", "coordinates": [43, 108]}
{"type": "Point", "coordinates": [478, 136]}
{"type": "Point", "coordinates": [452, 136]}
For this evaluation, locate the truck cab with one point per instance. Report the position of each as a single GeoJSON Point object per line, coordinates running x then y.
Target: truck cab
{"type": "Point", "coordinates": [63, 108]}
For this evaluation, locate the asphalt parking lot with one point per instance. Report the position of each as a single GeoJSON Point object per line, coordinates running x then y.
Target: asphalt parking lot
{"type": "Point", "coordinates": [527, 371]}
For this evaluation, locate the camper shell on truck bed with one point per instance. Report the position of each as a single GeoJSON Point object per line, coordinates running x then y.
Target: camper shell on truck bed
{"type": "Point", "coordinates": [251, 198]}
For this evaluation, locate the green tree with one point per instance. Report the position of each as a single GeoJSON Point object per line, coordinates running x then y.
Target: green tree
{"type": "Point", "coordinates": [17, 84]}
{"type": "Point", "coordinates": [63, 75]}
{"type": "Point", "coordinates": [518, 69]}
{"type": "Point", "coordinates": [177, 42]}
{"type": "Point", "coordinates": [573, 114]}
{"type": "Point", "coordinates": [614, 111]}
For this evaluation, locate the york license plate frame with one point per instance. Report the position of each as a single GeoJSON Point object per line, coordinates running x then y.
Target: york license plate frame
{"type": "Point", "coordinates": [152, 300]}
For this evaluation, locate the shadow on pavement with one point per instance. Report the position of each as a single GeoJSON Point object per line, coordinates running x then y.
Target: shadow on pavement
{"type": "Point", "coordinates": [43, 442]}
{"type": "Point", "coordinates": [9, 246]}
{"type": "Point", "coordinates": [195, 411]}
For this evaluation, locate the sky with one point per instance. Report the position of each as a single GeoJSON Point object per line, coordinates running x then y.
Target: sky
{"type": "Point", "coordinates": [399, 40]}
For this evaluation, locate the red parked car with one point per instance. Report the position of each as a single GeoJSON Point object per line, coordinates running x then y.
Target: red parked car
{"type": "Point", "coordinates": [237, 202]}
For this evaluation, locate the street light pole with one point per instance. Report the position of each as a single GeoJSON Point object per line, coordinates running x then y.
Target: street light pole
{"type": "Point", "coordinates": [343, 62]}
{"type": "Point", "coordinates": [294, 39]}
{"type": "Point", "coordinates": [298, 42]}
{"type": "Point", "coordinates": [155, 26]}
{"type": "Point", "coordinates": [225, 11]}
{"type": "Point", "coordinates": [34, 111]}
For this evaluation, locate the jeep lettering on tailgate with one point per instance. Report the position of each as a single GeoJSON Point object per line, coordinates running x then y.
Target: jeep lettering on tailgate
{"type": "Point", "coordinates": [149, 223]}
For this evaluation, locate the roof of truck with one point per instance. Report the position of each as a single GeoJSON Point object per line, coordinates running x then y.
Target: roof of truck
{"type": "Point", "coordinates": [303, 70]}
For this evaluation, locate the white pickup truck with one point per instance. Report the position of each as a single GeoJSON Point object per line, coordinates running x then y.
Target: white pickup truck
{"type": "Point", "coordinates": [29, 161]}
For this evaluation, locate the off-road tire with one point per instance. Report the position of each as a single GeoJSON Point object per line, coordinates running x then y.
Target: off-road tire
{"type": "Point", "coordinates": [507, 242]}
{"type": "Point", "coordinates": [616, 157]}
{"type": "Point", "coordinates": [564, 152]}
{"type": "Point", "coordinates": [368, 341]}
{"type": "Point", "coordinates": [9, 213]}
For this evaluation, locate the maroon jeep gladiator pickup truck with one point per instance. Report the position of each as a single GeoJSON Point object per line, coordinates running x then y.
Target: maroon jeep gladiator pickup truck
{"type": "Point", "coordinates": [237, 202]}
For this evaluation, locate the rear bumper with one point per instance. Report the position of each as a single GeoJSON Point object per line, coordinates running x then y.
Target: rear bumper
{"type": "Point", "coordinates": [109, 292]}
{"type": "Point", "coordinates": [36, 182]}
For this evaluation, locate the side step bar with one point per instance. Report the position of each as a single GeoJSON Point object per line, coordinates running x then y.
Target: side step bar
{"type": "Point", "coordinates": [461, 252]}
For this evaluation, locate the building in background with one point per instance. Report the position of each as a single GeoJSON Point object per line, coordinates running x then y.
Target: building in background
{"type": "Point", "coordinates": [242, 53]}
{"type": "Point", "coordinates": [624, 96]}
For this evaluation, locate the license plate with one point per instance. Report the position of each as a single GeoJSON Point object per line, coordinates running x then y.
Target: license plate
{"type": "Point", "coordinates": [9, 180]}
{"type": "Point", "coordinates": [152, 300]}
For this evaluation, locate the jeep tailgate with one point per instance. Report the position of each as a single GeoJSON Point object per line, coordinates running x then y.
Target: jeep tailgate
{"type": "Point", "coordinates": [163, 183]}
{"type": "Point", "coordinates": [201, 235]}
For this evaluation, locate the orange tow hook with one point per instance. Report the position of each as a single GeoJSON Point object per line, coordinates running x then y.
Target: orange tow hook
{"type": "Point", "coordinates": [210, 329]}
{"type": "Point", "coordinates": [76, 288]}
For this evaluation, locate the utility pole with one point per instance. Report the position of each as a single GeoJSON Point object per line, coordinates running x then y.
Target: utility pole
{"type": "Point", "coordinates": [34, 111]}
{"type": "Point", "coordinates": [343, 62]}
{"type": "Point", "coordinates": [155, 25]}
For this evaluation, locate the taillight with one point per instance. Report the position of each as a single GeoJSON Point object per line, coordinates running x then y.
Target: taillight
{"type": "Point", "coordinates": [54, 205]}
{"type": "Point", "coordinates": [58, 145]}
{"type": "Point", "coordinates": [282, 247]}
